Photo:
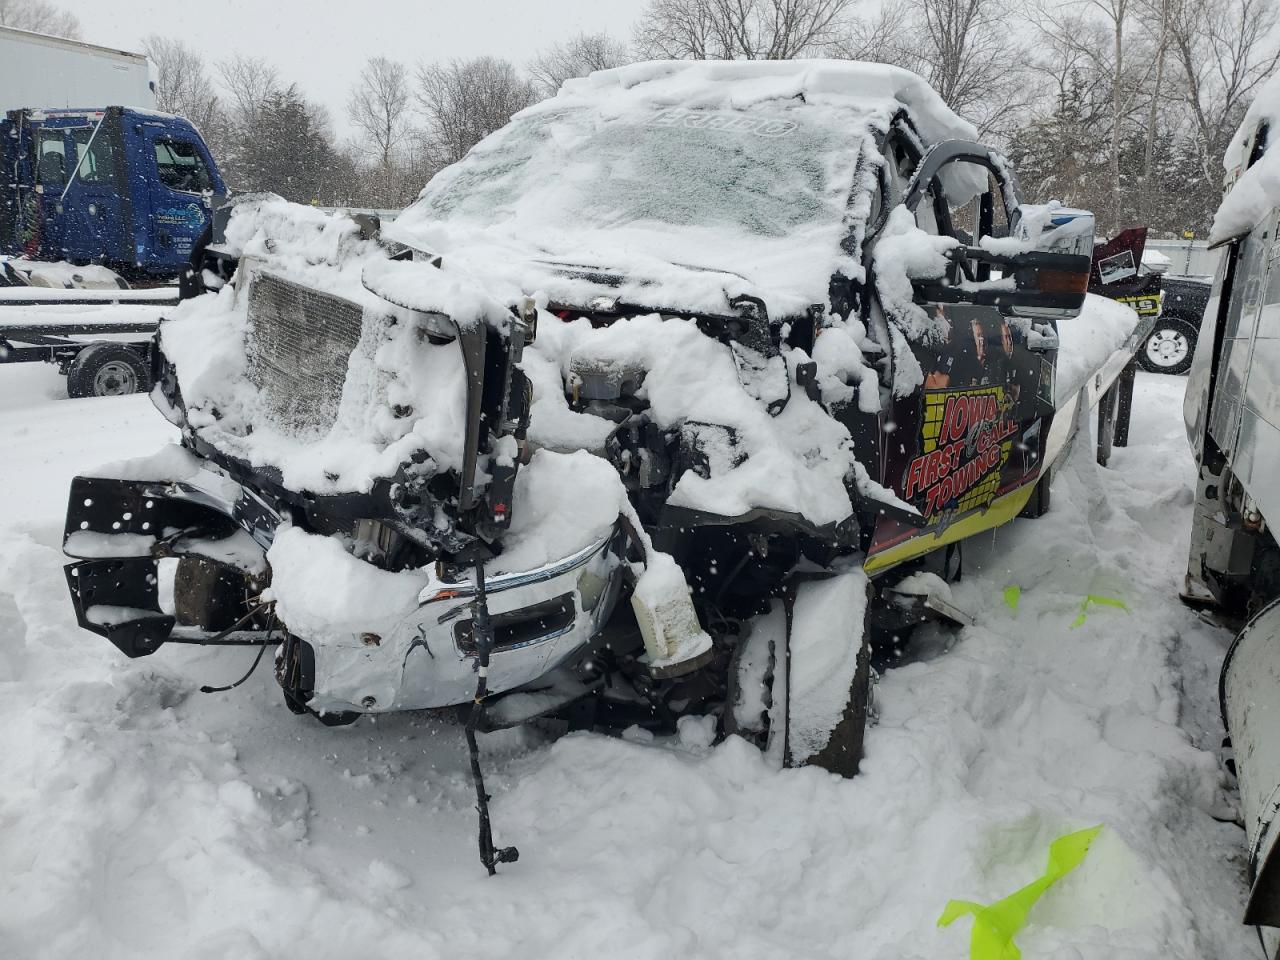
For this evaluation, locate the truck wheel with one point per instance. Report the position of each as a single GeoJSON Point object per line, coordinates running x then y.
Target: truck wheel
{"type": "Point", "coordinates": [107, 370]}
{"type": "Point", "coordinates": [1170, 347]}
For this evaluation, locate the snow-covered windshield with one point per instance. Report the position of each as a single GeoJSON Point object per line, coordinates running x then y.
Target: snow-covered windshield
{"type": "Point", "coordinates": [730, 168]}
{"type": "Point", "coordinates": [770, 171]}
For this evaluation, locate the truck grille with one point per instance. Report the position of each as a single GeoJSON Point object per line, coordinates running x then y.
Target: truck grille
{"type": "Point", "coordinates": [299, 343]}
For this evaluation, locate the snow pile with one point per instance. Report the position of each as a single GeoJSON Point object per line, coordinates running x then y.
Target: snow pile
{"type": "Point", "coordinates": [401, 393]}
{"type": "Point", "coordinates": [248, 832]}
{"type": "Point", "coordinates": [66, 276]}
{"type": "Point", "coordinates": [562, 503]}
{"type": "Point", "coordinates": [687, 183]}
{"type": "Point", "coordinates": [796, 461]}
{"type": "Point", "coordinates": [1257, 190]}
{"type": "Point", "coordinates": [843, 371]}
{"type": "Point", "coordinates": [822, 671]}
{"type": "Point", "coordinates": [904, 253]}
{"type": "Point", "coordinates": [429, 288]}
{"type": "Point", "coordinates": [322, 250]}
{"type": "Point", "coordinates": [323, 593]}
{"type": "Point", "coordinates": [1087, 340]}
{"type": "Point", "coordinates": [566, 502]}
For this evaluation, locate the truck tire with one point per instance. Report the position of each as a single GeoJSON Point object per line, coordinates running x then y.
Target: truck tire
{"type": "Point", "coordinates": [107, 370]}
{"type": "Point", "coordinates": [1170, 347]}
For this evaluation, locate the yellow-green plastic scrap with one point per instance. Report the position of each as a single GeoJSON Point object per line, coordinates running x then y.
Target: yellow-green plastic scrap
{"type": "Point", "coordinates": [1011, 597]}
{"type": "Point", "coordinates": [995, 926]}
{"type": "Point", "coordinates": [1096, 601]}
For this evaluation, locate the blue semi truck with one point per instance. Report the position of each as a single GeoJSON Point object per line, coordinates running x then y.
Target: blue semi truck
{"type": "Point", "coordinates": [99, 208]}
{"type": "Point", "coordinates": [125, 188]}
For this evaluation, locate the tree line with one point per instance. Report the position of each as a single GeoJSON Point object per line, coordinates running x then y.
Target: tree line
{"type": "Point", "coordinates": [1121, 106]}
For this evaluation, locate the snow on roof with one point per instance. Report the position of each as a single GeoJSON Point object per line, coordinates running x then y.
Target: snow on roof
{"type": "Point", "coordinates": [1258, 189]}
{"type": "Point", "coordinates": [738, 84]}
{"type": "Point", "coordinates": [686, 183]}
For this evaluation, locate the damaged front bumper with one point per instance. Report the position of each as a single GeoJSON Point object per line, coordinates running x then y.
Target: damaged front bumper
{"type": "Point", "coordinates": [186, 560]}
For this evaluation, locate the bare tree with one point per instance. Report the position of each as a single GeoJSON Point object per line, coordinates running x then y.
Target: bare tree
{"type": "Point", "coordinates": [377, 109]}
{"type": "Point", "coordinates": [464, 101]}
{"type": "Point", "coordinates": [963, 48]}
{"type": "Point", "coordinates": [679, 30]}
{"type": "Point", "coordinates": [882, 37]}
{"type": "Point", "coordinates": [38, 16]}
{"type": "Point", "coordinates": [1159, 11]}
{"type": "Point", "coordinates": [249, 83]}
{"type": "Point", "coordinates": [960, 46]}
{"type": "Point", "coordinates": [183, 86]}
{"type": "Point", "coordinates": [1097, 32]}
{"type": "Point", "coordinates": [1225, 49]}
{"type": "Point", "coordinates": [576, 57]}
{"type": "Point", "coordinates": [1116, 11]}
{"type": "Point", "coordinates": [742, 29]}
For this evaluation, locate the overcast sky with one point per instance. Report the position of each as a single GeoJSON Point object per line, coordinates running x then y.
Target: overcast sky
{"type": "Point", "coordinates": [322, 44]}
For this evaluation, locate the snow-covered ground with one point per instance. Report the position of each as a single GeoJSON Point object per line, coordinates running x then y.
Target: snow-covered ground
{"type": "Point", "coordinates": [140, 818]}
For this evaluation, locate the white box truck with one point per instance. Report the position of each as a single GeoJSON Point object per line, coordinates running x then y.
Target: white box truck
{"type": "Point", "coordinates": [50, 72]}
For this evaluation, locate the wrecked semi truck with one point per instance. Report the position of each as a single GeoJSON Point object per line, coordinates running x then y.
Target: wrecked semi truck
{"type": "Point", "coordinates": [663, 401]}
{"type": "Point", "coordinates": [1232, 412]}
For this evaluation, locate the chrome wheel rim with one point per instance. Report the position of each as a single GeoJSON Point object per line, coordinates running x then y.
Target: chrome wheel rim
{"type": "Point", "coordinates": [1168, 347]}
{"type": "Point", "coordinates": [114, 379]}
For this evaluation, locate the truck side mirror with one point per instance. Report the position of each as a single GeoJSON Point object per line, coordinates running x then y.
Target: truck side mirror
{"type": "Point", "coordinates": [1031, 284]}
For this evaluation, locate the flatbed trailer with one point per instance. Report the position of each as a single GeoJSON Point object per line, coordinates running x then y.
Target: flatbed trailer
{"type": "Point", "coordinates": [98, 357]}
{"type": "Point", "coordinates": [166, 296]}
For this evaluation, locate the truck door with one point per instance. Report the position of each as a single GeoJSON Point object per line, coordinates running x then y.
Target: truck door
{"type": "Point", "coordinates": [92, 212]}
{"type": "Point", "coordinates": [43, 234]}
{"type": "Point", "coordinates": [972, 434]}
{"type": "Point", "coordinates": [180, 188]}
{"type": "Point", "coordinates": [67, 188]}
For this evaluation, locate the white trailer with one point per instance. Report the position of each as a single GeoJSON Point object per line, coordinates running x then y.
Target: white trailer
{"type": "Point", "coordinates": [42, 71]}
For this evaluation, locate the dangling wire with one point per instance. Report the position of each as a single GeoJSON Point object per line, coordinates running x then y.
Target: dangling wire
{"type": "Point", "coordinates": [266, 642]}
{"type": "Point", "coordinates": [482, 632]}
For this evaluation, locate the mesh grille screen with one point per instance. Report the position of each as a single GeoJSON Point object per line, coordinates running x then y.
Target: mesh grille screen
{"type": "Point", "coordinates": [298, 347]}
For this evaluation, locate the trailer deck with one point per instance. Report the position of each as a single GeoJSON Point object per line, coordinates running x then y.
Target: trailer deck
{"type": "Point", "coordinates": [68, 334]}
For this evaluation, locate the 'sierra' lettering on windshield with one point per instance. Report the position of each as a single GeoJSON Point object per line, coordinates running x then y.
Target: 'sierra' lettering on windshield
{"type": "Point", "coordinates": [725, 122]}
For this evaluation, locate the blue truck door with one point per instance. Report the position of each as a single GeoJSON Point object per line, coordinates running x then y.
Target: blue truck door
{"type": "Point", "coordinates": [45, 233]}
{"type": "Point", "coordinates": [9, 190]}
{"type": "Point", "coordinates": [92, 209]}
{"type": "Point", "coordinates": [181, 181]}
{"type": "Point", "coordinates": [65, 201]}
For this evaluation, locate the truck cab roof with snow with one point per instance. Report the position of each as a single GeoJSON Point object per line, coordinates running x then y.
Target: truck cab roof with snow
{"type": "Point", "coordinates": [679, 185]}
